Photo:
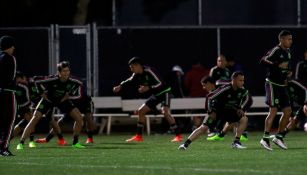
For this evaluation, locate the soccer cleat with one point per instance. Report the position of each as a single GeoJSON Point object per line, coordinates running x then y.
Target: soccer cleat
{"type": "Point", "coordinates": [62, 142]}
{"type": "Point", "coordinates": [211, 134]}
{"type": "Point", "coordinates": [215, 138]}
{"type": "Point", "coordinates": [237, 145]}
{"type": "Point", "coordinates": [32, 144]}
{"type": "Point", "coordinates": [177, 138]}
{"type": "Point", "coordinates": [182, 147]}
{"type": "Point", "coordinates": [265, 143]}
{"type": "Point", "coordinates": [19, 146]}
{"type": "Point", "coordinates": [136, 138]}
{"type": "Point", "coordinates": [42, 140]}
{"type": "Point", "coordinates": [6, 153]}
{"type": "Point", "coordinates": [279, 142]}
{"type": "Point", "coordinates": [78, 146]}
{"type": "Point", "coordinates": [89, 140]}
{"type": "Point", "coordinates": [243, 138]}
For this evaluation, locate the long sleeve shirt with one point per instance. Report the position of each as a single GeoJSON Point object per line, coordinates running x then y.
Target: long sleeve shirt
{"type": "Point", "coordinates": [149, 78]}
{"type": "Point", "coordinates": [271, 61]}
{"type": "Point", "coordinates": [301, 72]}
{"type": "Point", "coordinates": [297, 92]}
{"type": "Point", "coordinates": [22, 95]}
{"type": "Point", "coordinates": [7, 70]}
{"type": "Point", "coordinates": [56, 89]}
{"type": "Point", "coordinates": [219, 74]}
{"type": "Point", "coordinates": [228, 98]}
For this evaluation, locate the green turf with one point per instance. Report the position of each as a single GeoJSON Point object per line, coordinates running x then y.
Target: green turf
{"type": "Point", "coordinates": [110, 155]}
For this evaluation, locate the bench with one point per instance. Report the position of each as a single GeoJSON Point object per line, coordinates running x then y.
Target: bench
{"type": "Point", "coordinates": [176, 104]}
{"type": "Point", "coordinates": [107, 103]}
{"type": "Point", "coordinates": [128, 108]}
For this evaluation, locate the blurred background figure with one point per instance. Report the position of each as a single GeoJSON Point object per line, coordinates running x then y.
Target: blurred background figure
{"type": "Point", "coordinates": [220, 73]}
{"type": "Point", "coordinates": [194, 87]}
{"type": "Point", "coordinates": [301, 70]}
{"type": "Point", "coordinates": [232, 65]}
{"type": "Point", "coordinates": [176, 78]}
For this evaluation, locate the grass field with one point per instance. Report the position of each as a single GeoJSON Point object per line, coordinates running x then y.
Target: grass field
{"type": "Point", "coordinates": [110, 155]}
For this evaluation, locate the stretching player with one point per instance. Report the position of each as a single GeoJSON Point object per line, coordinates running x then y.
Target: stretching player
{"type": "Point", "coordinates": [298, 98]}
{"type": "Point", "coordinates": [24, 105]}
{"type": "Point", "coordinates": [57, 91]}
{"type": "Point", "coordinates": [86, 106]}
{"type": "Point", "coordinates": [149, 80]}
{"type": "Point", "coordinates": [231, 99]}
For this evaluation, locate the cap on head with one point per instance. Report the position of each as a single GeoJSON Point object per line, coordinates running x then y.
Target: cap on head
{"type": "Point", "coordinates": [177, 68]}
{"type": "Point", "coordinates": [135, 60]}
{"type": "Point", "coordinates": [6, 42]}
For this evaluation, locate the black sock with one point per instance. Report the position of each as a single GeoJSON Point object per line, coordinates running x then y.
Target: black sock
{"type": "Point", "coordinates": [60, 136]}
{"type": "Point", "coordinates": [75, 140]}
{"type": "Point", "coordinates": [266, 135]}
{"type": "Point", "coordinates": [175, 128]}
{"type": "Point", "coordinates": [31, 137]}
{"type": "Point", "coordinates": [139, 129]}
{"type": "Point", "coordinates": [285, 132]}
{"type": "Point", "coordinates": [237, 140]}
{"type": "Point", "coordinates": [279, 135]}
{"type": "Point", "coordinates": [22, 141]}
{"type": "Point", "coordinates": [49, 137]}
{"type": "Point", "coordinates": [90, 134]}
{"type": "Point", "coordinates": [187, 143]}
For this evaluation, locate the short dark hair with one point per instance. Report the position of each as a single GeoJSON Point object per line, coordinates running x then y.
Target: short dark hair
{"type": "Point", "coordinates": [207, 79]}
{"type": "Point", "coordinates": [135, 60]}
{"type": "Point", "coordinates": [284, 33]}
{"type": "Point", "coordinates": [236, 74]}
{"type": "Point", "coordinates": [62, 65]}
{"type": "Point", "coordinates": [6, 42]}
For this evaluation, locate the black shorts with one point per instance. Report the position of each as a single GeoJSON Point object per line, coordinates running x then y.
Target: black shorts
{"type": "Point", "coordinates": [164, 99]}
{"type": "Point", "coordinates": [228, 115]}
{"type": "Point", "coordinates": [44, 106]}
{"type": "Point", "coordinates": [276, 96]}
{"type": "Point", "coordinates": [85, 105]}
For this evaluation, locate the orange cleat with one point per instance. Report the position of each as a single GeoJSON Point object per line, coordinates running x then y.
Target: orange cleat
{"type": "Point", "coordinates": [89, 140]}
{"type": "Point", "coordinates": [136, 138]}
{"type": "Point", "coordinates": [177, 138]}
{"type": "Point", "coordinates": [62, 142]}
{"type": "Point", "coordinates": [42, 140]}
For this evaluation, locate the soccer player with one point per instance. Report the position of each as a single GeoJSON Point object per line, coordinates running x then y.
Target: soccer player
{"type": "Point", "coordinates": [86, 106]}
{"type": "Point", "coordinates": [57, 91]}
{"type": "Point", "coordinates": [231, 99]}
{"type": "Point", "coordinates": [24, 103]}
{"type": "Point", "coordinates": [278, 70]}
{"type": "Point", "coordinates": [301, 70]}
{"type": "Point", "coordinates": [149, 81]}
{"type": "Point", "coordinates": [298, 98]}
{"type": "Point", "coordinates": [220, 73]}
{"type": "Point", "coordinates": [7, 96]}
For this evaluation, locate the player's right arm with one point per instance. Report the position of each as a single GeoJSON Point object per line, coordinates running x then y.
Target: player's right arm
{"type": "Point", "coordinates": [124, 83]}
{"type": "Point", "coordinates": [271, 58]}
